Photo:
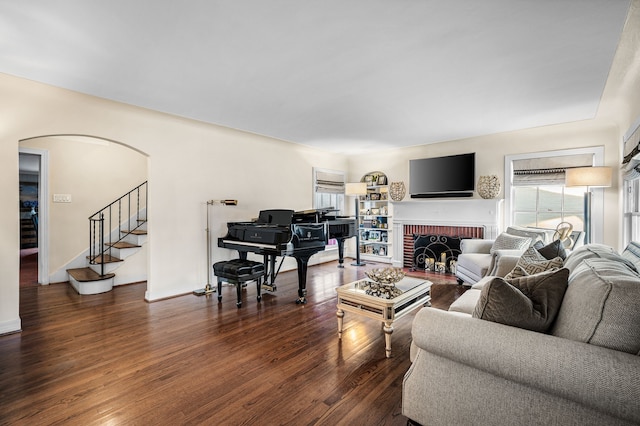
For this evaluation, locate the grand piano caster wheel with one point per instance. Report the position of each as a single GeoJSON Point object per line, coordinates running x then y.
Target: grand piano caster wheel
{"type": "Point", "coordinates": [301, 301]}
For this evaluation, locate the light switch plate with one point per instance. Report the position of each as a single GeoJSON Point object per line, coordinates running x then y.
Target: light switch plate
{"type": "Point", "coordinates": [61, 198]}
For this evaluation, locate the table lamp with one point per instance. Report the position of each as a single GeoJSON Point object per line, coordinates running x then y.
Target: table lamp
{"type": "Point", "coordinates": [357, 189]}
{"type": "Point", "coordinates": [590, 177]}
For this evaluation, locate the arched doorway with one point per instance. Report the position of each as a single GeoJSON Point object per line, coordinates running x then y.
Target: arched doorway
{"type": "Point", "coordinates": [79, 174]}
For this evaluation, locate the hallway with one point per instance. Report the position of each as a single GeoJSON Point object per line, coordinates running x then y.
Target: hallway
{"type": "Point", "coordinates": [28, 267]}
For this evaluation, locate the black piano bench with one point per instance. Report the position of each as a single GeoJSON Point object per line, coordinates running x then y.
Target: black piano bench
{"type": "Point", "coordinates": [238, 272]}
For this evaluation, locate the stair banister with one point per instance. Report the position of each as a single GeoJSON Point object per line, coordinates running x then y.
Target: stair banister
{"type": "Point", "coordinates": [98, 250]}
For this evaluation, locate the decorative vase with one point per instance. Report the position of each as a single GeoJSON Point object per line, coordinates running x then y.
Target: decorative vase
{"type": "Point", "coordinates": [397, 191]}
{"type": "Point", "coordinates": [488, 186]}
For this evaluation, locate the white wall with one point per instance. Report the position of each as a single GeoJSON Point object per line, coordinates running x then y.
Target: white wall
{"type": "Point", "coordinates": [490, 152]}
{"type": "Point", "coordinates": [188, 163]}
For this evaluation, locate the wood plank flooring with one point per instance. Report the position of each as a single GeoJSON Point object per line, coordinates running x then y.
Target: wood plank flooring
{"type": "Point", "coordinates": [113, 358]}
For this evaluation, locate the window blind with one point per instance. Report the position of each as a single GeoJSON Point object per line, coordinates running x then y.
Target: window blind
{"type": "Point", "coordinates": [631, 161]}
{"type": "Point", "coordinates": [329, 183]}
{"type": "Point", "coordinates": [547, 170]}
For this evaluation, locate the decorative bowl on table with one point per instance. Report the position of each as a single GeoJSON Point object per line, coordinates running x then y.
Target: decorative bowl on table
{"type": "Point", "coordinates": [385, 276]}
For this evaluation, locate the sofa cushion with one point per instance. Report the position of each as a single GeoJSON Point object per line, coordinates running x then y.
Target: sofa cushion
{"type": "Point", "coordinates": [506, 241]}
{"type": "Point", "coordinates": [595, 251]}
{"type": "Point", "coordinates": [602, 306]}
{"type": "Point", "coordinates": [531, 302]}
{"type": "Point", "coordinates": [531, 262]}
{"type": "Point", "coordinates": [551, 250]}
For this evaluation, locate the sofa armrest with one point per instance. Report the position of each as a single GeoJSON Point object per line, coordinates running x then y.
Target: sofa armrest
{"type": "Point", "coordinates": [604, 379]}
{"type": "Point", "coordinates": [505, 261]}
{"type": "Point", "coordinates": [476, 245]}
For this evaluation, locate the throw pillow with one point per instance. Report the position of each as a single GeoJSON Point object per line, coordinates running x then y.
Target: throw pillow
{"type": "Point", "coordinates": [510, 242]}
{"type": "Point", "coordinates": [536, 235]}
{"type": "Point", "coordinates": [531, 262]}
{"type": "Point", "coordinates": [552, 250]}
{"type": "Point", "coordinates": [530, 302]}
{"type": "Point", "coordinates": [601, 306]}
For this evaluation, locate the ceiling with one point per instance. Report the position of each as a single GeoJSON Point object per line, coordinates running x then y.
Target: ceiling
{"type": "Point", "coordinates": [341, 75]}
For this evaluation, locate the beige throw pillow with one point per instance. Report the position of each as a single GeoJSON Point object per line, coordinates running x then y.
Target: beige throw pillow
{"type": "Point", "coordinates": [532, 262]}
{"type": "Point", "coordinates": [509, 242]}
{"type": "Point", "coordinates": [531, 302]}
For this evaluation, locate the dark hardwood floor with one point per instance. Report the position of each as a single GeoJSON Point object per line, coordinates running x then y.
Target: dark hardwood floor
{"type": "Point", "coordinates": [113, 358]}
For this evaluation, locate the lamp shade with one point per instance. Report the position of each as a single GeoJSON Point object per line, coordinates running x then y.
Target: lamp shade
{"type": "Point", "coordinates": [356, 188]}
{"type": "Point", "coordinates": [588, 176]}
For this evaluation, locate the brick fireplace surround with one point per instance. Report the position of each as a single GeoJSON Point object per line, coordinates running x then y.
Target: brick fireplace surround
{"type": "Point", "coordinates": [469, 217]}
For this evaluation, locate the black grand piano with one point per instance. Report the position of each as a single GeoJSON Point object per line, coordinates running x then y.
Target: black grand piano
{"type": "Point", "coordinates": [288, 233]}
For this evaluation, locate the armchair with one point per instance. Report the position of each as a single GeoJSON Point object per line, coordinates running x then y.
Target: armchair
{"type": "Point", "coordinates": [484, 257]}
{"type": "Point", "coordinates": [479, 257]}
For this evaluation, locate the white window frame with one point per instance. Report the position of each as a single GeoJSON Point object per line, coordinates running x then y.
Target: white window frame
{"type": "Point", "coordinates": [597, 200]}
{"type": "Point", "coordinates": [340, 197]}
{"type": "Point", "coordinates": [631, 193]}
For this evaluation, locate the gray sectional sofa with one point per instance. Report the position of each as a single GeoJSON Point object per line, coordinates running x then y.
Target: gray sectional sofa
{"type": "Point", "coordinates": [581, 365]}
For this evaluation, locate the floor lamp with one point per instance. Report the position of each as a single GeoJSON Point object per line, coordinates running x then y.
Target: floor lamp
{"type": "Point", "coordinates": [589, 177]}
{"type": "Point", "coordinates": [208, 289]}
{"type": "Point", "coordinates": [357, 189]}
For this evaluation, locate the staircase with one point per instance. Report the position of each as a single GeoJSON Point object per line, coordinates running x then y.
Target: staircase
{"type": "Point", "coordinates": [125, 220]}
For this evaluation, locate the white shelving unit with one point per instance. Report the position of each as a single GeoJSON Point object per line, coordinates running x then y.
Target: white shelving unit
{"type": "Point", "coordinates": [375, 221]}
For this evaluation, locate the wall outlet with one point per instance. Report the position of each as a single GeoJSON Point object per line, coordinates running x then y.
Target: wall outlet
{"type": "Point", "coordinates": [61, 198]}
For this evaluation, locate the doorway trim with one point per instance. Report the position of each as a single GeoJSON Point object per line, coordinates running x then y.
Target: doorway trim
{"type": "Point", "coordinates": [43, 212]}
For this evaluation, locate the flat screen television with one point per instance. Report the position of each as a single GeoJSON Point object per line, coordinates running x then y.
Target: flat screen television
{"type": "Point", "coordinates": [450, 176]}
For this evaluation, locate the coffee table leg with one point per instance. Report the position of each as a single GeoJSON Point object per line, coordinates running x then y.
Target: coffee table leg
{"type": "Point", "coordinates": [340, 315]}
{"type": "Point", "coordinates": [388, 329]}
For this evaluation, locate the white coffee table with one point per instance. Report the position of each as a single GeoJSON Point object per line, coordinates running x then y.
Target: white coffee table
{"type": "Point", "coordinates": [353, 297]}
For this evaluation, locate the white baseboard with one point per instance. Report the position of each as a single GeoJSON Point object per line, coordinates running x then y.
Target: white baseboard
{"type": "Point", "coordinates": [12, 326]}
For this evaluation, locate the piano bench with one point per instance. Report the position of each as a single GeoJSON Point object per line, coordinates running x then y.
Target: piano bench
{"type": "Point", "coordinates": [238, 272]}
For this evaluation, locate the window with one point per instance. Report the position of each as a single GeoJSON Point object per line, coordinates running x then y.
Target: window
{"type": "Point", "coordinates": [328, 189]}
{"type": "Point", "coordinates": [535, 194]}
{"type": "Point", "coordinates": [547, 206]}
{"type": "Point", "coordinates": [631, 184]}
{"type": "Point", "coordinates": [328, 192]}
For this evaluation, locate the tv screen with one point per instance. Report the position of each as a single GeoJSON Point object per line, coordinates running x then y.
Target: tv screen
{"type": "Point", "coordinates": [450, 176]}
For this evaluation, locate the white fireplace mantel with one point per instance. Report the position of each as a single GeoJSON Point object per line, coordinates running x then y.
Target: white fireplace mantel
{"type": "Point", "coordinates": [445, 212]}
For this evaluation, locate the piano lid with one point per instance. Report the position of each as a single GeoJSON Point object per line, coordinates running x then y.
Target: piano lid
{"type": "Point", "coordinates": [276, 217]}
{"type": "Point", "coordinates": [315, 215]}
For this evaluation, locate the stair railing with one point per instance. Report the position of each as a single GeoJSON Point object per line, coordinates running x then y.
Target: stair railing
{"type": "Point", "coordinates": [130, 205]}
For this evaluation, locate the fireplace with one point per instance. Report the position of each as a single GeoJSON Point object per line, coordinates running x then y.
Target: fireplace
{"type": "Point", "coordinates": [461, 218]}
{"type": "Point", "coordinates": [439, 243]}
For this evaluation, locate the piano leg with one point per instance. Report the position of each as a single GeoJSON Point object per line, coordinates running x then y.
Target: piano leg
{"type": "Point", "coordinates": [303, 262]}
{"type": "Point", "coordinates": [340, 252]}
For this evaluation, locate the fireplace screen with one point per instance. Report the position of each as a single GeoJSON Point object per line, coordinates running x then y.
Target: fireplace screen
{"type": "Point", "coordinates": [435, 252]}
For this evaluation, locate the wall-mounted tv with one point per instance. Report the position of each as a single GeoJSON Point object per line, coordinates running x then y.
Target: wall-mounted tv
{"type": "Point", "coordinates": [450, 176]}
